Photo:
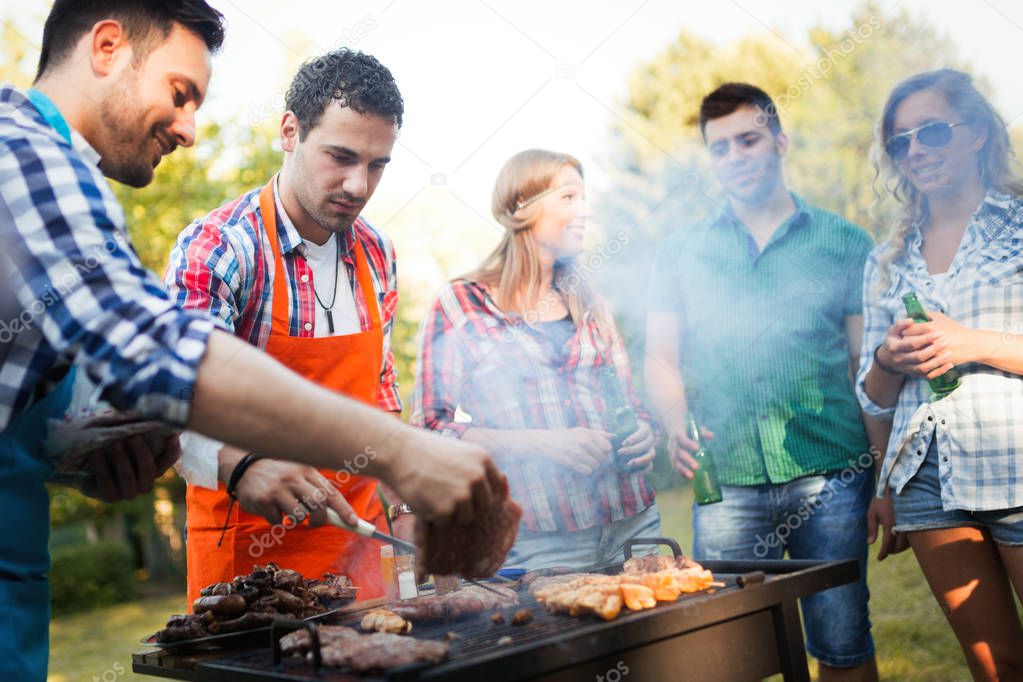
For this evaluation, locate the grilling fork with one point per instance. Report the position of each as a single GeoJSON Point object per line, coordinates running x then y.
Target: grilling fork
{"type": "Point", "coordinates": [368, 530]}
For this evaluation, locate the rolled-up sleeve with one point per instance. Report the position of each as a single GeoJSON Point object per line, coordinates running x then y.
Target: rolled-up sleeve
{"type": "Point", "coordinates": [876, 321]}
{"type": "Point", "coordinates": [88, 293]}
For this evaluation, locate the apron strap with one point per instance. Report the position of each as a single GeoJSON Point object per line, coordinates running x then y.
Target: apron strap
{"type": "Point", "coordinates": [280, 319]}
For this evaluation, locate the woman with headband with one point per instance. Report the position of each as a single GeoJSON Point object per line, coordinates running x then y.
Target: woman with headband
{"type": "Point", "coordinates": [522, 355]}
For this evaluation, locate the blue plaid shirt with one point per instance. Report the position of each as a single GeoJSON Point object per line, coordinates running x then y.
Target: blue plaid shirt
{"type": "Point", "coordinates": [978, 427]}
{"type": "Point", "coordinates": [82, 293]}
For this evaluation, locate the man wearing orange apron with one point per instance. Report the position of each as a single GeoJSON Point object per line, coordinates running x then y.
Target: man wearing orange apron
{"type": "Point", "coordinates": [262, 265]}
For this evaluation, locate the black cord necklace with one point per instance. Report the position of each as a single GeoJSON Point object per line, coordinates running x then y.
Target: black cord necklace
{"type": "Point", "coordinates": [329, 310]}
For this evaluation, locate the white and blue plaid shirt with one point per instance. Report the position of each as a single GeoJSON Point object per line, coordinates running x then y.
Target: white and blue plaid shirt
{"type": "Point", "coordinates": [978, 428]}
{"type": "Point", "coordinates": [82, 293]}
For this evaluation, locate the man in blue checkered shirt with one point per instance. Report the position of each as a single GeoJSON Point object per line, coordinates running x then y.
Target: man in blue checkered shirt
{"type": "Point", "coordinates": [118, 85]}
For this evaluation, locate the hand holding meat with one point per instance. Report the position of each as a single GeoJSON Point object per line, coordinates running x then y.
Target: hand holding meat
{"type": "Point", "coordinates": [275, 489]}
{"type": "Point", "coordinates": [473, 550]}
{"type": "Point", "coordinates": [129, 467]}
{"type": "Point", "coordinates": [448, 482]}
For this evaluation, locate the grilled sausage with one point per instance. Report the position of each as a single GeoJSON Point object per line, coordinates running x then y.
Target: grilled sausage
{"type": "Point", "coordinates": [222, 606]}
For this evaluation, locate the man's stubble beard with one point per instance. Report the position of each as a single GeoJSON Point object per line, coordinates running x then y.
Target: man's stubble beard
{"type": "Point", "coordinates": [127, 151]}
{"type": "Point", "coordinates": [309, 204]}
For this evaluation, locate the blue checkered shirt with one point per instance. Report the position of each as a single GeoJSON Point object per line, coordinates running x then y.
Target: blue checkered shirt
{"type": "Point", "coordinates": [978, 428]}
{"type": "Point", "coordinates": [82, 293]}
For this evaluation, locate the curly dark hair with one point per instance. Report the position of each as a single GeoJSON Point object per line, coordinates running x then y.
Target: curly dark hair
{"type": "Point", "coordinates": [145, 22]}
{"type": "Point", "coordinates": [353, 79]}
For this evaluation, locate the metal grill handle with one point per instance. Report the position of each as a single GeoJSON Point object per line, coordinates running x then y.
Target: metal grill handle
{"type": "Point", "coordinates": [282, 627]}
{"type": "Point", "coordinates": [751, 578]}
{"type": "Point", "coordinates": [668, 542]}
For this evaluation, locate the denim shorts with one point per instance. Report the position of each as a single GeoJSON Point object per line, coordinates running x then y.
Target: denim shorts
{"type": "Point", "coordinates": [585, 549]}
{"type": "Point", "coordinates": [918, 507]}
{"type": "Point", "coordinates": [816, 517]}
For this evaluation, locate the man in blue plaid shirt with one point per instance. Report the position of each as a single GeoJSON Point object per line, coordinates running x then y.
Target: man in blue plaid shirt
{"type": "Point", "coordinates": [118, 85]}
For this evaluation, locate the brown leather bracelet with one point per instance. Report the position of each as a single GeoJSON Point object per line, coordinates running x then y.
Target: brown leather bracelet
{"type": "Point", "coordinates": [880, 365]}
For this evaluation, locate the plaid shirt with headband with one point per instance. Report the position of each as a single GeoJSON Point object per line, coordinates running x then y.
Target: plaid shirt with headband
{"type": "Point", "coordinates": [977, 427]}
{"type": "Point", "coordinates": [494, 371]}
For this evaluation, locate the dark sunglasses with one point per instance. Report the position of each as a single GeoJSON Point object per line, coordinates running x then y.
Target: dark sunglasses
{"type": "Point", "coordinates": [935, 135]}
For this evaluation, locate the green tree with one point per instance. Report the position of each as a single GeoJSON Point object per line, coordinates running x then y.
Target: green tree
{"type": "Point", "coordinates": [829, 87]}
{"type": "Point", "coordinates": [193, 181]}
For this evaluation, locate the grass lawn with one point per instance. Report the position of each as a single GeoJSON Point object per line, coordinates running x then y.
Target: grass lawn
{"type": "Point", "coordinates": [914, 642]}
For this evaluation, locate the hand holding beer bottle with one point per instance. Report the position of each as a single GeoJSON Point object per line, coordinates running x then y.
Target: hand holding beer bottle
{"type": "Point", "coordinates": [706, 488]}
{"type": "Point", "coordinates": [633, 441]}
{"type": "Point", "coordinates": [947, 382]}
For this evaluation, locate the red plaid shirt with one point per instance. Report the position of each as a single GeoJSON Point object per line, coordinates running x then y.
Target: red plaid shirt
{"type": "Point", "coordinates": [505, 375]}
{"type": "Point", "coordinates": [222, 264]}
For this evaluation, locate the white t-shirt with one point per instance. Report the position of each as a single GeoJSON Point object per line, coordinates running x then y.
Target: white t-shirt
{"type": "Point", "coordinates": [199, 454]}
{"type": "Point", "coordinates": [322, 261]}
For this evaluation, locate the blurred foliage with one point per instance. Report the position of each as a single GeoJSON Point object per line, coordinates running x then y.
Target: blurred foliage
{"type": "Point", "coordinates": [18, 55]}
{"type": "Point", "coordinates": [224, 163]}
{"type": "Point", "coordinates": [87, 576]}
{"type": "Point", "coordinates": [829, 87]}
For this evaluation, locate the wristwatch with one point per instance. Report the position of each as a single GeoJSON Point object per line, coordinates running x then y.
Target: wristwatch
{"type": "Point", "coordinates": [396, 510]}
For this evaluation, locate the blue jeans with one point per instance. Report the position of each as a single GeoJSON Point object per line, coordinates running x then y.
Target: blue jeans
{"type": "Point", "coordinates": [816, 517]}
{"type": "Point", "coordinates": [919, 507]}
{"type": "Point", "coordinates": [584, 549]}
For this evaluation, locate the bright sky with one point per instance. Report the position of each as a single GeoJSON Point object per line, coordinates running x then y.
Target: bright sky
{"type": "Point", "coordinates": [483, 79]}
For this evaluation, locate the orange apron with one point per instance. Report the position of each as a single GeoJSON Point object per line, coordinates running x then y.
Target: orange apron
{"type": "Point", "coordinates": [348, 364]}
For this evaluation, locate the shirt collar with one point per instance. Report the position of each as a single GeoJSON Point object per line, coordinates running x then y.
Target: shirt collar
{"type": "Point", "coordinates": [291, 240]}
{"type": "Point", "coordinates": [86, 150]}
{"type": "Point", "coordinates": [998, 213]}
{"type": "Point", "coordinates": [995, 214]}
{"type": "Point", "coordinates": [78, 143]}
{"type": "Point", "coordinates": [801, 216]}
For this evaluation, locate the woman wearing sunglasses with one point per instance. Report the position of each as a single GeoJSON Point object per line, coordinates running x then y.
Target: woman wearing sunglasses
{"type": "Point", "coordinates": [523, 356]}
{"type": "Point", "coordinates": [954, 466]}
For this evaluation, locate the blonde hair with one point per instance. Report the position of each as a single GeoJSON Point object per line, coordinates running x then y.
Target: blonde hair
{"type": "Point", "coordinates": [513, 271]}
{"type": "Point", "coordinates": [996, 160]}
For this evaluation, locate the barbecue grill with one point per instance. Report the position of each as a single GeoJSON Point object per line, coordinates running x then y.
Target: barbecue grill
{"type": "Point", "coordinates": [747, 630]}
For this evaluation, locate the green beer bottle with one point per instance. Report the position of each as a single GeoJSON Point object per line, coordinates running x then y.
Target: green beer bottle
{"type": "Point", "coordinates": [947, 382]}
{"type": "Point", "coordinates": [706, 489]}
{"type": "Point", "coordinates": [621, 420]}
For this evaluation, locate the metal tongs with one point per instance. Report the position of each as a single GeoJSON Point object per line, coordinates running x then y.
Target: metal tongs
{"type": "Point", "coordinates": [368, 530]}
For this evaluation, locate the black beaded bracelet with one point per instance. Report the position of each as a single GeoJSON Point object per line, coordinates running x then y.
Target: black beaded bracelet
{"type": "Point", "coordinates": [239, 470]}
{"type": "Point", "coordinates": [880, 365]}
